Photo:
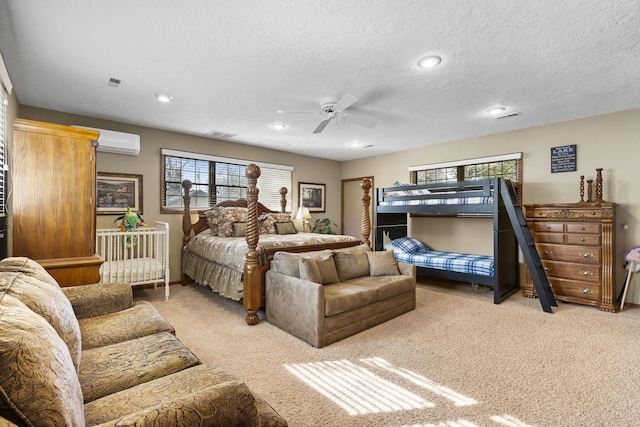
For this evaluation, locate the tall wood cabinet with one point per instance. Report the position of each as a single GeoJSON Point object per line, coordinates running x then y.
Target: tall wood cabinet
{"type": "Point", "coordinates": [54, 188]}
{"type": "Point", "coordinates": [575, 242]}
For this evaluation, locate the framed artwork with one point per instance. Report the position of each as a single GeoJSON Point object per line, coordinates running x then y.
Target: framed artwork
{"type": "Point", "coordinates": [116, 191]}
{"type": "Point", "coordinates": [312, 196]}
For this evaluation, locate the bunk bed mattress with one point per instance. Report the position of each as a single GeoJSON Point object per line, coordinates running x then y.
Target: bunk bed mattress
{"type": "Point", "coordinates": [218, 262]}
{"type": "Point", "coordinates": [439, 201]}
{"type": "Point", "coordinates": [481, 265]}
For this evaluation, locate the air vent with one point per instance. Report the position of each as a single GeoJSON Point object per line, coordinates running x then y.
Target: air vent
{"type": "Point", "coordinates": [508, 115]}
{"type": "Point", "coordinates": [114, 82]}
{"type": "Point", "coordinates": [216, 134]}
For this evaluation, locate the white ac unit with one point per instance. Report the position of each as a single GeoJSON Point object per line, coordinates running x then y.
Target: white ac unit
{"type": "Point", "coordinates": [114, 142]}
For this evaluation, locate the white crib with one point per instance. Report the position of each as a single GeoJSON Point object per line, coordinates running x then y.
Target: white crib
{"type": "Point", "coordinates": [138, 257]}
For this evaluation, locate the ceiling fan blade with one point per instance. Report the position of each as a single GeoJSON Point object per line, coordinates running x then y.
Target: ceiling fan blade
{"type": "Point", "coordinates": [346, 102]}
{"type": "Point", "coordinates": [323, 124]}
{"type": "Point", "coordinates": [300, 112]}
{"type": "Point", "coordinates": [359, 120]}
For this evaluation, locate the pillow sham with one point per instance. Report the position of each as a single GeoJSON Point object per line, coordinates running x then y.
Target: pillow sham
{"type": "Point", "coordinates": [285, 227]}
{"type": "Point", "coordinates": [212, 220]}
{"type": "Point", "coordinates": [407, 245]}
{"type": "Point", "coordinates": [226, 218]}
{"type": "Point", "coordinates": [266, 222]}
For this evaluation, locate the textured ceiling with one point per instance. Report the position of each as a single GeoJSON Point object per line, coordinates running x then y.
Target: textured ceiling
{"type": "Point", "coordinates": [232, 65]}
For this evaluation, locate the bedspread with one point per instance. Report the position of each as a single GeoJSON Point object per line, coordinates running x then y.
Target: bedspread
{"type": "Point", "coordinates": [462, 263]}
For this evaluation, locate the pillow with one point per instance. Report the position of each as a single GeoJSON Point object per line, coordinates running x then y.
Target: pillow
{"type": "Point", "coordinates": [352, 263]}
{"type": "Point", "coordinates": [382, 263]}
{"type": "Point", "coordinates": [288, 267]}
{"type": "Point", "coordinates": [309, 270]}
{"type": "Point", "coordinates": [285, 227]}
{"type": "Point", "coordinates": [266, 222]}
{"type": "Point", "coordinates": [212, 220]}
{"type": "Point", "coordinates": [408, 191]}
{"type": "Point", "coordinates": [407, 245]}
{"type": "Point", "coordinates": [226, 218]}
{"type": "Point", "coordinates": [239, 229]}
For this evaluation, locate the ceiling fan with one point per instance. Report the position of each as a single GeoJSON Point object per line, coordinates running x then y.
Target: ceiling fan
{"type": "Point", "coordinates": [334, 108]}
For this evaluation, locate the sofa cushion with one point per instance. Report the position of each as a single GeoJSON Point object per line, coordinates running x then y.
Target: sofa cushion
{"type": "Point", "coordinates": [341, 297]}
{"type": "Point", "coordinates": [38, 381]}
{"type": "Point", "coordinates": [27, 266]}
{"type": "Point", "coordinates": [382, 263]}
{"type": "Point", "coordinates": [48, 301]}
{"type": "Point", "coordinates": [98, 299]}
{"type": "Point", "coordinates": [138, 321]}
{"type": "Point", "coordinates": [352, 262]}
{"type": "Point", "coordinates": [289, 267]}
{"type": "Point", "coordinates": [321, 271]}
{"type": "Point", "coordinates": [198, 396]}
{"type": "Point", "coordinates": [309, 270]}
{"type": "Point", "coordinates": [387, 286]}
{"type": "Point", "coordinates": [106, 370]}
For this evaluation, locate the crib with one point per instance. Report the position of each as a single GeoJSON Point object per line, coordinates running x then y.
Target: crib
{"type": "Point", "coordinates": [138, 257]}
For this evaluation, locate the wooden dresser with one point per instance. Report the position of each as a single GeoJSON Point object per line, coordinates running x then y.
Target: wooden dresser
{"type": "Point", "coordinates": [54, 188]}
{"type": "Point", "coordinates": [575, 242]}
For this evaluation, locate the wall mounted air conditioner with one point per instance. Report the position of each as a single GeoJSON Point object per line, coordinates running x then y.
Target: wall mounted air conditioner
{"type": "Point", "coordinates": [114, 142]}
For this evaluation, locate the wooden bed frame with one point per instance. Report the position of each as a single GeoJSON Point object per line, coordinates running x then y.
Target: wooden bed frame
{"type": "Point", "coordinates": [257, 264]}
{"type": "Point", "coordinates": [394, 220]}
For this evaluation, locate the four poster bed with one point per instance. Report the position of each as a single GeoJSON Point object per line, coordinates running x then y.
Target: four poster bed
{"type": "Point", "coordinates": [230, 246]}
{"type": "Point", "coordinates": [480, 198]}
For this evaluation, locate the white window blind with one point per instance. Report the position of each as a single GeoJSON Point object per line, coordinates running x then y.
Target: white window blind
{"type": "Point", "coordinates": [217, 178]}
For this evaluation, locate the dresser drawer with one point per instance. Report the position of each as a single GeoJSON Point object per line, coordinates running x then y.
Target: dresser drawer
{"type": "Point", "coordinates": [583, 239]}
{"type": "Point", "coordinates": [574, 213]}
{"type": "Point", "coordinates": [578, 227]}
{"type": "Point", "coordinates": [565, 270]}
{"type": "Point", "coordinates": [548, 227]}
{"type": "Point", "coordinates": [575, 289]}
{"type": "Point", "coordinates": [579, 254]}
{"type": "Point", "coordinates": [549, 237]}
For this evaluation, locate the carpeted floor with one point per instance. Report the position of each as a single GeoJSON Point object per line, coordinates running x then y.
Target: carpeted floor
{"type": "Point", "coordinates": [457, 360]}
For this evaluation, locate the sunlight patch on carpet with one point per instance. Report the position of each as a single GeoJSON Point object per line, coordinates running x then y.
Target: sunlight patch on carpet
{"type": "Point", "coordinates": [457, 398]}
{"type": "Point", "coordinates": [356, 389]}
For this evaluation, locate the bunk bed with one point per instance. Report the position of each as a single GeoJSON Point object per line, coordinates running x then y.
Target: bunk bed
{"type": "Point", "coordinates": [480, 198]}
{"type": "Point", "coordinates": [234, 264]}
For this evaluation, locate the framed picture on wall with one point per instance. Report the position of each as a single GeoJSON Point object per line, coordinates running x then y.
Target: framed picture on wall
{"type": "Point", "coordinates": [312, 196]}
{"type": "Point", "coordinates": [116, 192]}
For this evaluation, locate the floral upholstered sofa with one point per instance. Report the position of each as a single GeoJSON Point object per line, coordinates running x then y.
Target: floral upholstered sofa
{"type": "Point", "coordinates": [88, 355]}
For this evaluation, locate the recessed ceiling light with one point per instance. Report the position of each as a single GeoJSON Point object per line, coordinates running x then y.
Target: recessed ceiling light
{"type": "Point", "coordinates": [163, 97]}
{"type": "Point", "coordinates": [496, 110]}
{"type": "Point", "coordinates": [278, 126]}
{"type": "Point", "coordinates": [429, 61]}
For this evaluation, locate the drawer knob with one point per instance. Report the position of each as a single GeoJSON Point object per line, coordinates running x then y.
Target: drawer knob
{"type": "Point", "coordinates": [586, 290]}
{"type": "Point", "coordinates": [593, 213]}
{"type": "Point", "coordinates": [547, 252]}
{"type": "Point", "coordinates": [582, 240]}
{"type": "Point", "coordinates": [546, 268]}
{"type": "Point", "coordinates": [582, 228]}
{"type": "Point", "coordinates": [548, 227]}
{"type": "Point", "coordinates": [586, 254]}
{"type": "Point", "coordinates": [586, 273]}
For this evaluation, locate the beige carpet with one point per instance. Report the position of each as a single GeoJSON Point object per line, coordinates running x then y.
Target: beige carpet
{"type": "Point", "coordinates": [457, 360]}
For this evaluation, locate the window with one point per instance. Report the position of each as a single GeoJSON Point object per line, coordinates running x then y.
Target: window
{"type": "Point", "coordinates": [216, 179]}
{"type": "Point", "coordinates": [507, 166]}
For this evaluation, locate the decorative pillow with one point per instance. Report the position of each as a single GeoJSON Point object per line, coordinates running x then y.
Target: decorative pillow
{"type": "Point", "coordinates": [309, 270]}
{"type": "Point", "coordinates": [37, 370]}
{"type": "Point", "coordinates": [239, 229]}
{"type": "Point", "coordinates": [285, 227]}
{"type": "Point", "coordinates": [266, 222]}
{"type": "Point", "coordinates": [382, 263]}
{"type": "Point", "coordinates": [352, 263]}
{"type": "Point", "coordinates": [212, 219]}
{"type": "Point", "coordinates": [289, 267]}
{"type": "Point", "coordinates": [226, 218]}
{"type": "Point", "coordinates": [407, 245]}
{"type": "Point", "coordinates": [327, 268]}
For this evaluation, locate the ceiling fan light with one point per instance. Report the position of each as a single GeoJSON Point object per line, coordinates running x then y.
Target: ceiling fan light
{"type": "Point", "coordinates": [429, 61]}
{"type": "Point", "coordinates": [495, 110]}
{"type": "Point", "coordinates": [278, 126]}
{"type": "Point", "coordinates": [163, 97]}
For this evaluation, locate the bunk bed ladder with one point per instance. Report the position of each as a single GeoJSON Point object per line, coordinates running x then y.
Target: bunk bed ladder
{"type": "Point", "coordinates": [529, 251]}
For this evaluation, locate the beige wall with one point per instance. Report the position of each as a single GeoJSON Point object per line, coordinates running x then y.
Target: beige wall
{"type": "Point", "coordinates": [610, 141]}
{"type": "Point", "coordinates": [147, 163]}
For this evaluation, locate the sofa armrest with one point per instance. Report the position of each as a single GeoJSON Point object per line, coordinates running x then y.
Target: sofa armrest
{"type": "Point", "coordinates": [99, 299]}
{"type": "Point", "coordinates": [295, 306]}
{"type": "Point", "coordinates": [407, 269]}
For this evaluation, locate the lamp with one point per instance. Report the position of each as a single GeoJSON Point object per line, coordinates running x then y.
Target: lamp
{"type": "Point", "coordinates": [304, 216]}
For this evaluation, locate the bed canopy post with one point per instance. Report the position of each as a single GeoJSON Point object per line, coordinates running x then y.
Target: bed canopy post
{"type": "Point", "coordinates": [283, 199]}
{"type": "Point", "coordinates": [186, 224]}
{"type": "Point", "coordinates": [252, 275]}
{"type": "Point", "coordinates": [366, 185]}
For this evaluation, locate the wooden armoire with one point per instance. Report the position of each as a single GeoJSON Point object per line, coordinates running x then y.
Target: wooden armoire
{"type": "Point", "coordinates": [54, 210]}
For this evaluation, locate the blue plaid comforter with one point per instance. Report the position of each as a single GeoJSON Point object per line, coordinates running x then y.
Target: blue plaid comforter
{"type": "Point", "coordinates": [462, 263]}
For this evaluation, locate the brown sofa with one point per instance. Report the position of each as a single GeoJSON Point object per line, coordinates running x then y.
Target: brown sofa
{"type": "Point", "coordinates": [325, 296]}
{"type": "Point", "coordinates": [89, 355]}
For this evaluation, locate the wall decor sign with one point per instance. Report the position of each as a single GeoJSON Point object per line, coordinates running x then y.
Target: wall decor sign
{"type": "Point", "coordinates": [563, 159]}
{"type": "Point", "coordinates": [116, 191]}
{"type": "Point", "coordinates": [312, 196]}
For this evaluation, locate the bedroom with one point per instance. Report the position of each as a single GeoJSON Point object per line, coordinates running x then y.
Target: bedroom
{"type": "Point", "coordinates": [603, 140]}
